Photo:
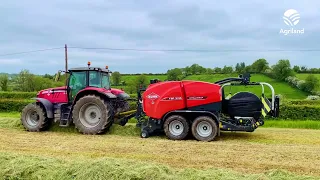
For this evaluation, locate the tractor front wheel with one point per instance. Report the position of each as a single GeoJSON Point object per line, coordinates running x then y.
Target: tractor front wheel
{"type": "Point", "coordinates": [33, 118]}
{"type": "Point", "coordinates": [92, 115]}
{"type": "Point", "coordinates": [176, 127]}
{"type": "Point", "coordinates": [204, 128]}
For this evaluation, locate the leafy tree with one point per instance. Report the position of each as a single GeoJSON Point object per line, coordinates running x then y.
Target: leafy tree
{"type": "Point", "coordinates": [296, 68]}
{"type": "Point", "coordinates": [240, 67]}
{"type": "Point", "coordinates": [186, 71]}
{"type": "Point", "coordinates": [197, 69]}
{"type": "Point", "coordinates": [116, 78]}
{"type": "Point", "coordinates": [314, 70]}
{"type": "Point", "coordinates": [4, 82]}
{"type": "Point", "coordinates": [311, 83]}
{"type": "Point", "coordinates": [227, 69]}
{"type": "Point", "coordinates": [248, 69]}
{"type": "Point", "coordinates": [209, 71]}
{"type": "Point", "coordinates": [304, 69]}
{"type": "Point", "coordinates": [174, 74]}
{"type": "Point", "coordinates": [282, 69]}
{"type": "Point", "coordinates": [25, 81]}
{"type": "Point", "coordinates": [217, 70]}
{"type": "Point", "coordinates": [140, 81]}
{"type": "Point", "coordinates": [48, 76]}
{"type": "Point", "coordinates": [260, 65]}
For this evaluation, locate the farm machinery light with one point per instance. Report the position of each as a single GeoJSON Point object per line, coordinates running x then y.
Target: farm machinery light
{"type": "Point", "coordinates": [176, 108]}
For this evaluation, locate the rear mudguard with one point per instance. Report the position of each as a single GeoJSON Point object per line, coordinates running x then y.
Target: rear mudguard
{"type": "Point", "coordinates": [47, 105]}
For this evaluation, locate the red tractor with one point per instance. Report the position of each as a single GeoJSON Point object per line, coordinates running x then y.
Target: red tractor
{"type": "Point", "coordinates": [179, 108]}
{"type": "Point", "coordinates": [87, 100]}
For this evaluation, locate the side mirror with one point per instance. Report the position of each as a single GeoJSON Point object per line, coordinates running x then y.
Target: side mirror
{"type": "Point", "coordinates": [57, 78]}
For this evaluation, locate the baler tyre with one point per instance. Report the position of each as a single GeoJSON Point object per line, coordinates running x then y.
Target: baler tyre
{"type": "Point", "coordinates": [92, 115]}
{"type": "Point", "coordinates": [176, 127]}
{"type": "Point", "coordinates": [34, 118]}
{"type": "Point", "coordinates": [204, 128]}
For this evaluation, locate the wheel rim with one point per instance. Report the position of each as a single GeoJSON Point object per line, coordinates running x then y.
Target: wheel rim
{"type": "Point", "coordinates": [90, 115]}
{"type": "Point", "coordinates": [204, 129]}
{"type": "Point", "coordinates": [144, 134]}
{"type": "Point", "coordinates": [176, 128]}
{"type": "Point", "coordinates": [32, 118]}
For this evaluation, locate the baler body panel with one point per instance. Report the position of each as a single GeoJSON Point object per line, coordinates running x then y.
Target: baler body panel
{"type": "Point", "coordinates": [201, 93]}
{"type": "Point", "coordinates": [163, 97]}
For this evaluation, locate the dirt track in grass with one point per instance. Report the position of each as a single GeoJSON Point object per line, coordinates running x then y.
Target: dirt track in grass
{"type": "Point", "coordinates": [294, 150]}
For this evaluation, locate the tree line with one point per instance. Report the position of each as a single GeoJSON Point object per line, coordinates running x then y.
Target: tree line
{"type": "Point", "coordinates": [282, 70]}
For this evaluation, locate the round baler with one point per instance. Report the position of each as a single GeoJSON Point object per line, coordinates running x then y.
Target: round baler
{"type": "Point", "coordinates": [180, 108]}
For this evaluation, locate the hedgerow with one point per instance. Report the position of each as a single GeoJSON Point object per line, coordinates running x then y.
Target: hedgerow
{"type": "Point", "coordinates": [289, 109]}
{"type": "Point", "coordinates": [16, 105]}
{"type": "Point", "coordinates": [300, 112]}
{"type": "Point", "coordinates": [17, 95]}
{"type": "Point", "coordinates": [29, 95]}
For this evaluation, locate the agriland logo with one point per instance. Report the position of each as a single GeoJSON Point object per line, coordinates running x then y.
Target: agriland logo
{"type": "Point", "coordinates": [291, 18]}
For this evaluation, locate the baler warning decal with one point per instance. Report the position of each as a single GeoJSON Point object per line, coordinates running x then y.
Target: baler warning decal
{"type": "Point", "coordinates": [196, 97]}
{"type": "Point", "coordinates": [266, 108]}
{"type": "Point", "coordinates": [171, 98]}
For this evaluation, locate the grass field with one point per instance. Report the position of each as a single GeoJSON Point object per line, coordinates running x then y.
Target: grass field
{"type": "Point", "coordinates": [280, 87]}
{"type": "Point", "coordinates": [304, 76]}
{"type": "Point", "coordinates": [62, 153]}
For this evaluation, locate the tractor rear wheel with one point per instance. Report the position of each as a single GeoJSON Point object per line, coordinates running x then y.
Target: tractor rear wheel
{"type": "Point", "coordinates": [204, 128]}
{"type": "Point", "coordinates": [34, 118]}
{"type": "Point", "coordinates": [176, 127]}
{"type": "Point", "coordinates": [92, 115]}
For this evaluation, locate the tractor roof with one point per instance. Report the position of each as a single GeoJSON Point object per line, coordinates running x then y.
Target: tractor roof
{"type": "Point", "coordinates": [90, 69]}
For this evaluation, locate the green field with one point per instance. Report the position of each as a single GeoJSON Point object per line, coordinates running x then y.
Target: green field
{"type": "Point", "coordinates": [304, 76]}
{"type": "Point", "coordinates": [63, 153]}
{"type": "Point", "coordinates": [282, 88]}
{"type": "Point", "coordinates": [129, 78]}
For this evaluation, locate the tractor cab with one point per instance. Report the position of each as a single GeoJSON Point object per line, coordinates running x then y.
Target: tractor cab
{"type": "Point", "coordinates": [81, 78]}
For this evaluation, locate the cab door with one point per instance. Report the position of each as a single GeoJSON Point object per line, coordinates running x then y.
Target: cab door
{"type": "Point", "coordinates": [77, 82]}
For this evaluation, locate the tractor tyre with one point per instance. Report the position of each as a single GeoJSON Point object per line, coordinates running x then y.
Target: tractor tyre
{"type": "Point", "coordinates": [92, 115]}
{"type": "Point", "coordinates": [34, 118]}
{"type": "Point", "coordinates": [204, 128]}
{"type": "Point", "coordinates": [176, 127]}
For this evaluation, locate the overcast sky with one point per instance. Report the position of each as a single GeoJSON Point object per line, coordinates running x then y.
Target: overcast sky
{"type": "Point", "coordinates": [148, 24]}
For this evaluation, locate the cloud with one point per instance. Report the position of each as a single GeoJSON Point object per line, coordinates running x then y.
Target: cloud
{"type": "Point", "coordinates": [181, 24]}
{"type": "Point", "coordinates": [9, 61]}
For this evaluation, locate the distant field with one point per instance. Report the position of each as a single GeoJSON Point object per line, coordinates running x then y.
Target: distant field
{"type": "Point", "coordinates": [130, 78]}
{"type": "Point", "coordinates": [304, 76]}
{"type": "Point", "coordinates": [280, 87]}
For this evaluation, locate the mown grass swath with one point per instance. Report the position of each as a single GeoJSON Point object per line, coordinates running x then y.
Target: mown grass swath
{"type": "Point", "coordinates": [15, 166]}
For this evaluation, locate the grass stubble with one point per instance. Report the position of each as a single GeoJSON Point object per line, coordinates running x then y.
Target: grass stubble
{"type": "Point", "coordinates": [62, 153]}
